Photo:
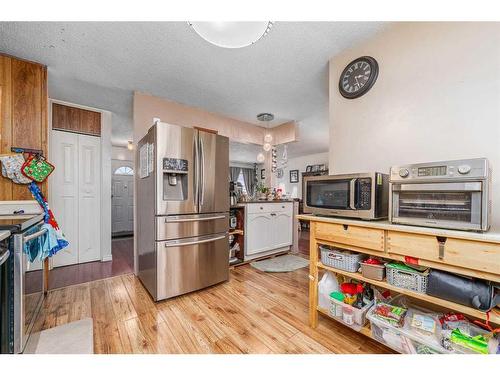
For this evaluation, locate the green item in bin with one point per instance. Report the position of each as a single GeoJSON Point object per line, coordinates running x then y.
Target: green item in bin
{"type": "Point", "coordinates": [339, 296]}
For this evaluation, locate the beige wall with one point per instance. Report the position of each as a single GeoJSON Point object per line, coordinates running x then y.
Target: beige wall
{"type": "Point", "coordinates": [437, 97]}
{"type": "Point", "coordinates": [121, 153]}
{"type": "Point", "coordinates": [295, 190]}
{"type": "Point", "coordinates": [147, 107]}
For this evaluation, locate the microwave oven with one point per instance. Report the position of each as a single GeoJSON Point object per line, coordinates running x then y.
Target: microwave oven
{"type": "Point", "coordinates": [359, 195]}
{"type": "Point", "coordinates": [447, 194]}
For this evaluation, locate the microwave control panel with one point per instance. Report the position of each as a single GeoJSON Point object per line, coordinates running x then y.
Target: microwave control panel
{"type": "Point", "coordinates": [364, 194]}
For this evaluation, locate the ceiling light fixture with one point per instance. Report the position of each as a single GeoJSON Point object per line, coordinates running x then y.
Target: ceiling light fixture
{"type": "Point", "coordinates": [232, 34]}
{"type": "Point", "coordinates": [130, 145]}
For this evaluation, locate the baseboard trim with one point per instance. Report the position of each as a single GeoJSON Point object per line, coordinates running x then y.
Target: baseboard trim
{"type": "Point", "coordinates": [107, 258]}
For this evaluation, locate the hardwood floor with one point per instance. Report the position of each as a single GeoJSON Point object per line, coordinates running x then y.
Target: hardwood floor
{"type": "Point", "coordinates": [254, 312]}
{"type": "Point", "coordinates": [122, 263]}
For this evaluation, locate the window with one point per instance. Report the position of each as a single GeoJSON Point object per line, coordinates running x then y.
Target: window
{"type": "Point", "coordinates": [124, 171]}
{"type": "Point", "coordinates": [241, 181]}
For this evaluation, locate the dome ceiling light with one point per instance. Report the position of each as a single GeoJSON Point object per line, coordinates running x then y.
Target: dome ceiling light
{"type": "Point", "coordinates": [232, 34]}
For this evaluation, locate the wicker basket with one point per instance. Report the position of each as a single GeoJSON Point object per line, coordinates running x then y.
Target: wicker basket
{"type": "Point", "coordinates": [341, 259]}
{"type": "Point", "coordinates": [407, 278]}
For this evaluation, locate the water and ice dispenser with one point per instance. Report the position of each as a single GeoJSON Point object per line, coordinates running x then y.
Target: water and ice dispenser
{"type": "Point", "coordinates": [175, 179]}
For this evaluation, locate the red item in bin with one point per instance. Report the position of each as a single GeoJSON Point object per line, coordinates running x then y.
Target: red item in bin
{"type": "Point", "coordinates": [373, 261]}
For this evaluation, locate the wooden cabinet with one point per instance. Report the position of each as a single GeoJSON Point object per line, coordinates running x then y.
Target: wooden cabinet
{"type": "Point", "coordinates": [367, 238]}
{"type": "Point", "coordinates": [481, 256]}
{"type": "Point", "coordinates": [268, 227]}
{"type": "Point", "coordinates": [23, 115]}
{"type": "Point", "coordinates": [75, 120]}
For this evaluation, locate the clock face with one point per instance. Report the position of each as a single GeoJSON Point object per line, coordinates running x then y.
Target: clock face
{"type": "Point", "coordinates": [358, 77]}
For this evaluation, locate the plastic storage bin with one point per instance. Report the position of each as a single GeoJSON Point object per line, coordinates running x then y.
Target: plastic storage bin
{"type": "Point", "coordinates": [406, 277]}
{"type": "Point", "coordinates": [401, 339]}
{"type": "Point", "coordinates": [349, 315]}
{"type": "Point", "coordinates": [373, 271]}
{"type": "Point", "coordinates": [341, 259]}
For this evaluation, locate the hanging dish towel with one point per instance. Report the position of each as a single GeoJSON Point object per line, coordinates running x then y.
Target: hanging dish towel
{"type": "Point", "coordinates": [55, 235]}
{"type": "Point", "coordinates": [32, 248]}
{"type": "Point", "coordinates": [53, 242]}
{"type": "Point", "coordinates": [11, 168]}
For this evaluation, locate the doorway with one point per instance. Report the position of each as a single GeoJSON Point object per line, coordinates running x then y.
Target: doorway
{"type": "Point", "coordinates": [122, 198]}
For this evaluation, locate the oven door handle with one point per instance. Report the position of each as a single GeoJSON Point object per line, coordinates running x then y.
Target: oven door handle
{"type": "Point", "coordinates": [453, 187]}
{"type": "Point", "coordinates": [352, 195]}
{"type": "Point", "coordinates": [34, 235]}
{"type": "Point", "coordinates": [5, 255]}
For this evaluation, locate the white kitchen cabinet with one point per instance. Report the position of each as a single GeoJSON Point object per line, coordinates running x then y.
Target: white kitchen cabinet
{"type": "Point", "coordinates": [268, 228]}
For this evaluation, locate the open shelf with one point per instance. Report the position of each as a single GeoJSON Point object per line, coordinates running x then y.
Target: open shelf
{"type": "Point", "coordinates": [494, 315]}
{"type": "Point", "coordinates": [365, 330]}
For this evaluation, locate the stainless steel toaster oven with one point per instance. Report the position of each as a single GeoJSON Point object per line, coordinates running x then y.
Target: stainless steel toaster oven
{"type": "Point", "coordinates": [449, 194]}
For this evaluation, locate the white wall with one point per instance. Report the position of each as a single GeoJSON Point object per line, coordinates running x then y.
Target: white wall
{"type": "Point", "coordinates": [299, 163]}
{"type": "Point", "coordinates": [122, 153]}
{"type": "Point", "coordinates": [437, 97]}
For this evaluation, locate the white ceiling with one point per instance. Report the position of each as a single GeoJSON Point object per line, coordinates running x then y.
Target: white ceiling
{"type": "Point", "coordinates": [100, 64]}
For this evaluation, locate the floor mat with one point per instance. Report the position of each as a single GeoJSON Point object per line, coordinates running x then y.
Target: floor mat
{"type": "Point", "coordinates": [284, 263]}
{"type": "Point", "coordinates": [72, 338]}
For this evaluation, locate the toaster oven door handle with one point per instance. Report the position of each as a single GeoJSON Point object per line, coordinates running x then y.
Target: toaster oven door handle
{"type": "Point", "coordinates": [451, 186]}
{"type": "Point", "coordinates": [352, 189]}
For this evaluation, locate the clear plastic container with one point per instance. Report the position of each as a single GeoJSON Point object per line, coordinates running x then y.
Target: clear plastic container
{"type": "Point", "coordinates": [403, 339]}
{"type": "Point", "coordinates": [351, 316]}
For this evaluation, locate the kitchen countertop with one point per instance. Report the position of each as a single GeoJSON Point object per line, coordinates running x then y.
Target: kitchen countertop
{"type": "Point", "coordinates": [4, 234]}
{"type": "Point", "coordinates": [493, 235]}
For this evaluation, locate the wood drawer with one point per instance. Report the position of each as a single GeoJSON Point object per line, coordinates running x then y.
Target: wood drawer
{"type": "Point", "coordinates": [481, 256]}
{"type": "Point", "coordinates": [255, 208]}
{"type": "Point", "coordinates": [368, 238]}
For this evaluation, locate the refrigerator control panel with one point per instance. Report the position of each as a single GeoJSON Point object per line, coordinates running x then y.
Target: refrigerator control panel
{"type": "Point", "coordinates": [175, 165]}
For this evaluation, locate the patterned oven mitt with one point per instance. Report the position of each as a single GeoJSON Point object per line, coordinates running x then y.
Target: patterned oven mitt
{"type": "Point", "coordinates": [37, 168]}
{"type": "Point", "coordinates": [11, 168]}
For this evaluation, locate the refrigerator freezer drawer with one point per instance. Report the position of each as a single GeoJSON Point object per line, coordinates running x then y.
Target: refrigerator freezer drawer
{"type": "Point", "coordinates": [190, 264]}
{"type": "Point", "coordinates": [182, 226]}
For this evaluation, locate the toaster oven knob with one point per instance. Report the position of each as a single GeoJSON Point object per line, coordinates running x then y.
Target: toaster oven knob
{"type": "Point", "coordinates": [464, 169]}
{"type": "Point", "coordinates": [404, 172]}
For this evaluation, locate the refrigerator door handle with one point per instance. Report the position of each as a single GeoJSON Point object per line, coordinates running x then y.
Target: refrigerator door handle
{"type": "Point", "coordinates": [202, 171]}
{"type": "Point", "coordinates": [187, 242]}
{"type": "Point", "coordinates": [183, 220]}
{"type": "Point", "coordinates": [196, 189]}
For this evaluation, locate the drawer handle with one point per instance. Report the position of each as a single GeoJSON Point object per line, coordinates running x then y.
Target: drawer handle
{"type": "Point", "coordinates": [261, 207]}
{"type": "Point", "coordinates": [441, 242]}
{"type": "Point", "coordinates": [346, 227]}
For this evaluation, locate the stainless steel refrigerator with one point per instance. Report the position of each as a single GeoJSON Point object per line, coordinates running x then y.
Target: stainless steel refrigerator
{"type": "Point", "coordinates": [182, 210]}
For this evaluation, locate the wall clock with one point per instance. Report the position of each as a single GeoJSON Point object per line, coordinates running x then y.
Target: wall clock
{"type": "Point", "coordinates": [358, 77]}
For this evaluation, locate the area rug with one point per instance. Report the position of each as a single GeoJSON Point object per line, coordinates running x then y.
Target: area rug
{"type": "Point", "coordinates": [71, 338]}
{"type": "Point", "coordinates": [284, 263]}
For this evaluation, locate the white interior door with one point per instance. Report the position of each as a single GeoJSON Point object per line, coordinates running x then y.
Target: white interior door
{"type": "Point", "coordinates": [64, 192]}
{"type": "Point", "coordinates": [122, 197]}
{"type": "Point", "coordinates": [89, 206]}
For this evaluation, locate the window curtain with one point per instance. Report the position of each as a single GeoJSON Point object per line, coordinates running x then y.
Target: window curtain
{"type": "Point", "coordinates": [234, 173]}
{"type": "Point", "coordinates": [249, 178]}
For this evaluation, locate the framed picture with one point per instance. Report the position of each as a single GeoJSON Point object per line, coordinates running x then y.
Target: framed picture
{"type": "Point", "coordinates": [309, 168]}
{"type": "Point", "coordinates": [294, 176]}
{"type": "Point", "coordinates": [262, 174]}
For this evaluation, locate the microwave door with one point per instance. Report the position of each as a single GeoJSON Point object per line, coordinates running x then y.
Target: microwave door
{"type": "Point", "coordinates": [330, 194]}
